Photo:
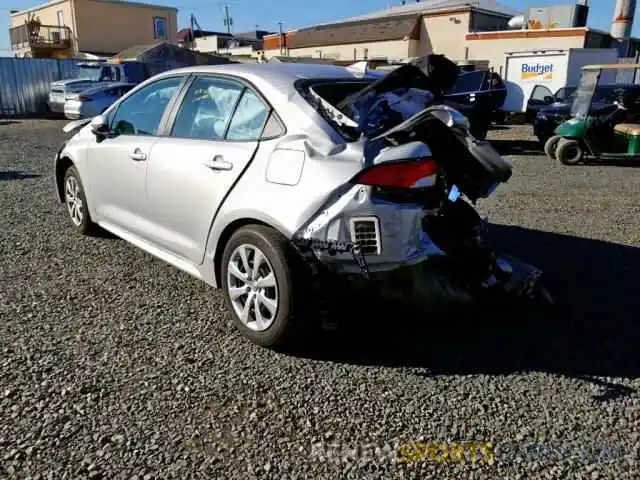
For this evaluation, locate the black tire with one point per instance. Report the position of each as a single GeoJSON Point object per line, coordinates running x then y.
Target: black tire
{"type": "Point", "coordinates": [82, 223]}
{"type": "Point", "coordinates": [480, 131]}
{"type": "Point", "coordinates": [551, 145]}
{"type": "Point", "coordinates": [291, 280]}
{"type": "Point", "coordinates": [499, 117]}
{"type": "Point", "coordinates": [569, 152]}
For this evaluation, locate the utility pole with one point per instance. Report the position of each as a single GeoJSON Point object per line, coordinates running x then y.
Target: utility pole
{"type": "Point", "coordinates": [281, 37]}
{"type": "Point", "coordinates": [228, 21]}
{"type": "Point", "coordinates": [192, 32]}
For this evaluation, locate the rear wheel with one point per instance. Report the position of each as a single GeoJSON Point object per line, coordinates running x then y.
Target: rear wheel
{"type": "Point", "coordinates": [551, 145]}
{"type": "Point", "coordinates": [262, 279]}
{"type": "Point", "coordinates": [569, 152]}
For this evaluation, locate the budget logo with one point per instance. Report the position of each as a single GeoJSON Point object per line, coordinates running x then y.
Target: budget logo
{"type": "Point", "coordinates": [537, 71]}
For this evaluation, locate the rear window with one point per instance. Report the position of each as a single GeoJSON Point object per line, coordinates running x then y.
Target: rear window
{"type": "Point", "coordinates": [371, 114]}
{"type": "Point", "coordinates": [608, 94]}
{"type": "Point", "coordinates": [468, 82]}
{"type": "Point", "coordinates": [326, 95]}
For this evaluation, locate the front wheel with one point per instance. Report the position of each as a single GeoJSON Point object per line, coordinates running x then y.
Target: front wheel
{"type": "Point", "coordinates": [569, 152]}
{"type": "Point", "coordinates": [262, 281]}
{"type": "Point", "coordinates": [551, 145]}
{"type": "Point", "coordinates": [76, 202]}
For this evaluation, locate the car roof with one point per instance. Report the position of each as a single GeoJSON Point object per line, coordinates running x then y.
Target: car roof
{"type": "Point", "coordinates": [613, 66]}
{"type": "Point", "coordinates": [107, 86]}
{"type": "Point", "coordinates": [276, 73]}
{"type": "Point", "coordinates": [618, 85]}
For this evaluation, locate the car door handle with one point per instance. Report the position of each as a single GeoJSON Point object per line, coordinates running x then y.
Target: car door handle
{"type": "Point", "coordinates": [218, 163]}
{"type": "Point", "coordinates": [138, 155]}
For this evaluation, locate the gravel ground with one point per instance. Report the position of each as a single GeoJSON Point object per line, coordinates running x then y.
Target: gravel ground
{"type": "Point", "coordinates": [115, 365]}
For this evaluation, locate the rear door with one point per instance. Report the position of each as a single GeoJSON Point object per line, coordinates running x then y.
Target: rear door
{"type": "Point", "coordinates": [211, 140]}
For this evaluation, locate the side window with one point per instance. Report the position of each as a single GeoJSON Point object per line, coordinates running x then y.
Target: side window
{"type": "Point", "coordinates": [493, 81]}
{"type": "Point", "coordinates": [539, 92]}
{"type": "Point", "coordinates": [248, 119]}
{"type": "Point", "coordinates": [142, 112]}
{"type": "Point", "coordinates": [207, 109]}
{"type": "Point", "coordinates": [274, 127]}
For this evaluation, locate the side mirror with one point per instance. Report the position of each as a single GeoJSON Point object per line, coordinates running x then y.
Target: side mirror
{"type": "Point", "coordinates": [548, 99]}
{"type": "Point", "coordinates": [99, 125]}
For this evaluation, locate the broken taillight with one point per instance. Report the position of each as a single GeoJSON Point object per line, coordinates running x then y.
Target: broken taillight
{"type": "Point", "coordinates": [414, 173]}
{"type": "Point", "coordinates": [84, 98]}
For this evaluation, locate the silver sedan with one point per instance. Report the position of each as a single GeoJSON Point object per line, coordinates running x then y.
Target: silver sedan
{"type": "Point", "coordinates": [216, 169]}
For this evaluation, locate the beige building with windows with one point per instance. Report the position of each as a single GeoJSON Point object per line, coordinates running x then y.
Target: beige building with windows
{"type": "Point", "coordinates": [64, 28]}
{"type": "Point", "coordinates": [412, 30]}
{"type": "Point", "coordinates": [466, 31]}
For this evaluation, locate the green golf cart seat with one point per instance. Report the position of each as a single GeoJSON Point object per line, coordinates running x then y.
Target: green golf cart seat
{"type": "Point", "coordinates": [628, 128]}
{"type": "Point", "coordinates": [628, 137]}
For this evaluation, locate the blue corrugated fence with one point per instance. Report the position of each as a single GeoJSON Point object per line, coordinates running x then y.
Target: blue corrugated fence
{"type": "Point", "coordinates": [24, 84]}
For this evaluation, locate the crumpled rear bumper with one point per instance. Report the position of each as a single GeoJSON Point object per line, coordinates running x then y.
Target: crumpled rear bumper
{"type": "Point", "coordinates": [390, 235]}
{"type": "Point", "coordinates": [406, 263]}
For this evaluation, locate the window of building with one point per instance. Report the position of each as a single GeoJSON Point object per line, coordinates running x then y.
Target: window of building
{"type": "Point", "coordinates": [160, 28]}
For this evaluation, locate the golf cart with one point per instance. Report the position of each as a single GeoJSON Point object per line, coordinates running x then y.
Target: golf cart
{"type": "Point", "coordinates": [609, 136]}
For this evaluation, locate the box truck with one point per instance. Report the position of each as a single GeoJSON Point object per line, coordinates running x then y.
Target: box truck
{"type": "Point", "coordinates": [552, 68]}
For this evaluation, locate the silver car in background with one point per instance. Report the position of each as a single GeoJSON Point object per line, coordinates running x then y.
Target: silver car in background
{"type": "Point", "coordinates": [251, 178]}
{"type": "Point", "coordinates": [95, 100]}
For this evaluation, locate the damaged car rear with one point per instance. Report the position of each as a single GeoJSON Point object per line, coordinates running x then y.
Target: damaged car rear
{"type": "Point", "coordinates": [280, 182]}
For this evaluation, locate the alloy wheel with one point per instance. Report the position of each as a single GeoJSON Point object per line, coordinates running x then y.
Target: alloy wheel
{"type": "Point", "coordinates": [252, 287]}
{"type": "Point", "coordinates": [73, 200]}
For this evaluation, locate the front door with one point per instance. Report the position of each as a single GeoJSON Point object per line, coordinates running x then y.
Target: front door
{"type": "Point", "coordinates": [211, 142]}
{"type": "Point", "coordinates": [540, 97]}
{"type": "Point", "coordinates": [116, 166]}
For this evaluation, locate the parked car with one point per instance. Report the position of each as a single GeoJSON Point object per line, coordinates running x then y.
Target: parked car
{"type": "Point", "coordinates": [541, 98]}
{"type": "Point", "coordinates": [250, 178]}
{"type": "Point", "coordinates": [88, 75]}
{"type": "Point", "coordinates": [94, 101]}
{"type": "Point", "coordinates": [479, 95]}
{"type": "Point", "coordinates": [548, 118]}
{"type": "Point", "coordinates": [132, 65]}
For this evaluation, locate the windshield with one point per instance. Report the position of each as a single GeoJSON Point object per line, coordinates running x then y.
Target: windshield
{"type": "Point", "coordinates": [90, 72]}
{"type": "Point", "coordinates": [584, 94]}
{"type": "Point", "coordinates": [468, 82]}
{"type": "Point", "coordinates": [608, 94]}
{"type": "Point", "coordinates": [565, 94]}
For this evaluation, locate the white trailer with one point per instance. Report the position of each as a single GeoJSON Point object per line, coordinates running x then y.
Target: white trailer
{"type": "Point", "coordinates": [553, 69]}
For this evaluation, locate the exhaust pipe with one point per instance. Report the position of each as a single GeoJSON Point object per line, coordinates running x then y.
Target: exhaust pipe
{"type": "Point", "coordinates": [623, 19]}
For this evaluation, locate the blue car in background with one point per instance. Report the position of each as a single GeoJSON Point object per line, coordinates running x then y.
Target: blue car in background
{"type": "Point", "coordinates": [479, 95]}
{"type": "Point", "coordinates": [95, 100]}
